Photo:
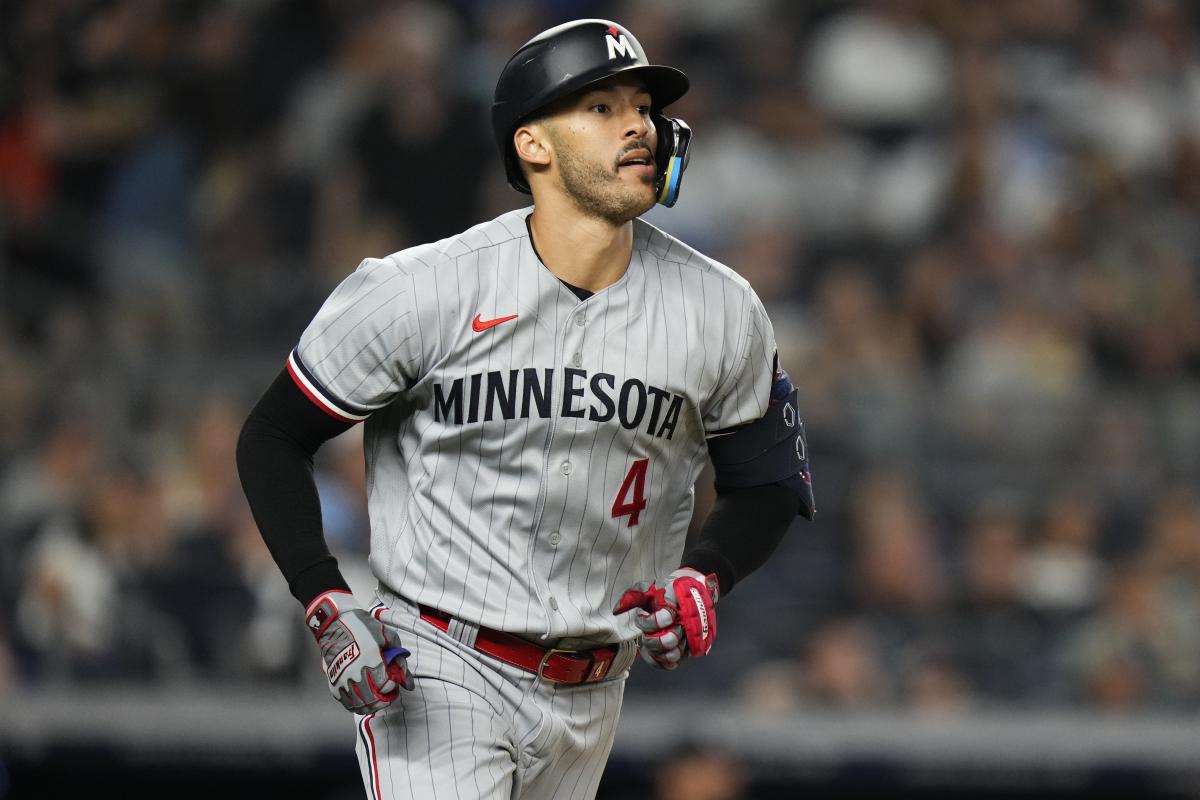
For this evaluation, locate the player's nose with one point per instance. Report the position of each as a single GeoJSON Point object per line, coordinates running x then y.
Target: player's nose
{"type": "Point", "coordinates": [637, 123]}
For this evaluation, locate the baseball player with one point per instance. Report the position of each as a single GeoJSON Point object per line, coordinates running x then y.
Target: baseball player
{"type": "Point", "coordinates": [540, 394]}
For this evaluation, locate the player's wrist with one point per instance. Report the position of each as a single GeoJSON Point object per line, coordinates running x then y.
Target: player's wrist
{"type": "Point", "coordinates": [315, 580]}
{"type": "Point", "coordinates": [327, 607]}
{"type": "Point", "coordinates": [341, 599]}
{"type": "Point", "coordinates": [710, 578]}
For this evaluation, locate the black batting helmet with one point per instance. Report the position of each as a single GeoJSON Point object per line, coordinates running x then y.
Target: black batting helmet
{"type": "Point", "coordinates": [565, 59]}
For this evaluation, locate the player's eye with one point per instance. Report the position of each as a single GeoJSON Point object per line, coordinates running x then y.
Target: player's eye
{"type": "Point", "coordinates": [644, 110]}
{"type": "Point", "coordinates": [600, 108]}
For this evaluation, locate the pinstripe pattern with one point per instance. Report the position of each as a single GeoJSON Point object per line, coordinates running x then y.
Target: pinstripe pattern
{"type": "Point", "coordinates": [504, 517]}
{"type": "Point", "coordinates": [368, 754]}
{"type": "Point", "coordinates": [475, 727]}
{"type": "Point", "coordinates": [495, 462]}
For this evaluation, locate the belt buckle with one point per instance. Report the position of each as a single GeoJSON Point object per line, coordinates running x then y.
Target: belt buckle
{"type": "Point", "coordinates": [546, 660]}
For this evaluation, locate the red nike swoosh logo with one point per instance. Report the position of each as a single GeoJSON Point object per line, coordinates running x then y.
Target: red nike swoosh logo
{"type": "Point", "coordinates": [480, 325]}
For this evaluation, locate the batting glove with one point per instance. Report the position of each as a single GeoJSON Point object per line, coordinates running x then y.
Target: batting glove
{"type": "Point", "coordinates": [364, 663]}
{"type": "Point", "coordinates": [676, 616]}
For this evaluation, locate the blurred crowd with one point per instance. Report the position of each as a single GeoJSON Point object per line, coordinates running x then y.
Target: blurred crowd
{"type": "Point", "coordinates": [973, 223]}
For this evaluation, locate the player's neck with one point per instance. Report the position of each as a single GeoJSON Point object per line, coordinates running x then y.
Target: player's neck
{"type": "Point", "coordinates": [584, 251]}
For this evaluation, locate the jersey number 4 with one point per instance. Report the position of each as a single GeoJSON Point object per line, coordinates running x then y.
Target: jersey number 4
{"type": "Point", "coordinates": [635, 482]}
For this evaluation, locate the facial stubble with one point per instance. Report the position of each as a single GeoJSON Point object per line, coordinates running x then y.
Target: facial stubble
{"type": "Point", "coordinates": [597, 189]}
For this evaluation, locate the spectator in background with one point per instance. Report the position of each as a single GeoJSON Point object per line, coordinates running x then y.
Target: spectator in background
{"type": "Point", "coordinates": [200, 485]}
{"type": "Point", "coordinates": [698, 773]}
{"type": "Point", "coordinates": [999, 636]}
{"type": "Point", "coordinates": [40, 491]}
{"type": "Point", "coordinates": [48, 480]}
{"type": "Point", "coordinates": [838, 669]}
{"type": "Point", "coordinates": [1063, 577]}
{"type": "Point", "coordinates": [934, 300]}
{"type": "Point", "coordinates": [83, 609]}
{"type": "Point", "coordinates": [271, 638]}
{"type": "Point", "coordinates": [862, 368]}
{"type": "Point", "coordinates": [420, 132]}
{"type": "Point", "coordinates": [207, 562]}
{"type": "Point", "coordinates": [882, 72]}
{"type": "Point", "coordinates": [213, 556]}
{"type": "Point", "coordinates": [843, 668]}
{"type": "Point", "coordinates": [20, 392]}
{"type": "Point", "coordinates": [900, 586]}
{"type": "Point", "coordinates": [937, 684]}
{"type": "Point", "coordinates": [1016, 383]}
{"type": "Point", "coordinates": [1173, 558]}
{"type": "Point", "coordinates": [880, 67]}
{"type": "Point", "coordinates": [1121, 463]}
{"type": "Point", "coordinates": [8, 676]}
{"type": "Point", "coordinates": [1118, 656]}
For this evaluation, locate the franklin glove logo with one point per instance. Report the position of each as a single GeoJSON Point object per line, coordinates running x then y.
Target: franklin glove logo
{"type": "Point", "coordinates": [699, 601]}
{"type": "Point", "coordinates": [343, 659]}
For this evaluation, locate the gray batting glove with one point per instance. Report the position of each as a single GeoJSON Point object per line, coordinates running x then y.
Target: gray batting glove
{"type": "Point", "coordinates": [363, 661]}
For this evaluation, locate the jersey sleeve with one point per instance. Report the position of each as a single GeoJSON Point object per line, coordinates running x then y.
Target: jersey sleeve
{"type": "Point", "coordinates": [362, 348]}
{"type": "Point", "coordinates": [742, 396]}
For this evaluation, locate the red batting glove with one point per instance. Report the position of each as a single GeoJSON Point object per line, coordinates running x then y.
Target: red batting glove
{"type": "Point", "coordinates": [676, 616]}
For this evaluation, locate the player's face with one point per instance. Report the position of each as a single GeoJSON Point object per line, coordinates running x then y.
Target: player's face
{"type": "Point", "coordinates": [604, 144]}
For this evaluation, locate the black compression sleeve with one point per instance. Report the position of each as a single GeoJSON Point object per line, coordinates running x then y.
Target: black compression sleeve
{"type": "Point", "coordinates": [275, 463]}
{"type": "Point", "coordinates": [743, 529]}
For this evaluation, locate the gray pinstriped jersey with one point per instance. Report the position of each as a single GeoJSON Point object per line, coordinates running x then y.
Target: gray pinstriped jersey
{"type": "Point", "coordinates": [530, 455]}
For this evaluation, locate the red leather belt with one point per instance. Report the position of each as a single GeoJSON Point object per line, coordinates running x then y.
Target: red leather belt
{"type": "Point", "coordinates": [553, 664]}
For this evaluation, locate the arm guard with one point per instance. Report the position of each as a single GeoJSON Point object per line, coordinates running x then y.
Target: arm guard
{"type": "Point", "coordinates": [772, 449]}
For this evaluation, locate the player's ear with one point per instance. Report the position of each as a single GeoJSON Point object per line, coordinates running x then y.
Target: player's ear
{"type": "Point", "coordinates": [533, 146]}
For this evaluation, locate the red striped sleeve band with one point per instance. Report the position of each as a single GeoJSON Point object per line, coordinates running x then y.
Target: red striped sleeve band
{"type": "Point", "coordinates": [314, 391]}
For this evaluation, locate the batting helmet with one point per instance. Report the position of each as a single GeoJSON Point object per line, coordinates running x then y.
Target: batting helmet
{"type": "Point", "coordinates": [565, 59]}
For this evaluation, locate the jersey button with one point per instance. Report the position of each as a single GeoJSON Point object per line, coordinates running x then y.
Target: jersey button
{"type": "Point", "coordinates": [566, 468]}
{"type": "Point", "coordinates": [580, 320]}
{"type": "Point", "coordinates": [553, 603]}
{"type": "Point", "coordinates": [555, 538]}
{"type": "Point", "coordinates": [577, 360]}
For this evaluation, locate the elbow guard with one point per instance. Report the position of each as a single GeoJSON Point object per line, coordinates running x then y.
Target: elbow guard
{"type": "Point", "coordinates": [770, 450]}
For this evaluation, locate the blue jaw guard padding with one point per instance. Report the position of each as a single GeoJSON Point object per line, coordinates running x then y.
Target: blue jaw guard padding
{"type": "Point", "coordinates": [674, 141]}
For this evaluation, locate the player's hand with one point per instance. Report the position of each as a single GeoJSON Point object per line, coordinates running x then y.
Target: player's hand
{"type": "Point", "coordinates": [364, 663]}
{"type": "Point", "coordinates": [676, 615]}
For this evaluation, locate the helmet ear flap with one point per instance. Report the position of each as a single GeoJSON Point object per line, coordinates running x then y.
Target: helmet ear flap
{"type": "Point", "coordinates": [671, 156]}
